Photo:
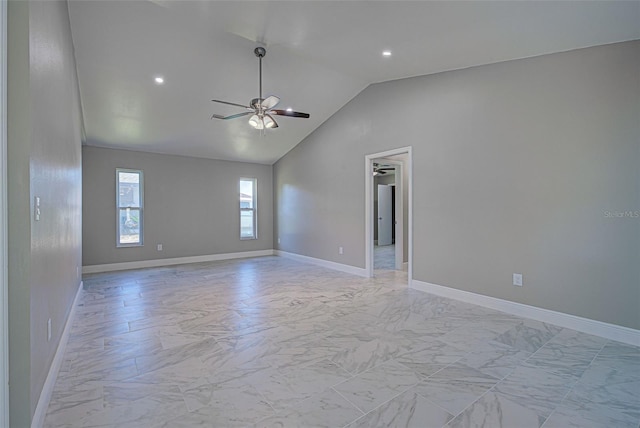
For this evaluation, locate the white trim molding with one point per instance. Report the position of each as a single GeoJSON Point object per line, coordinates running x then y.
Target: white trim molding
{"type": "Point", "coordinates": [4, 253]}
{"type": "Point", "coordinates": [585, 325]}
{"type": "Point", "coordinates": [323, 263]}
{"type": "Point", "coordinates": [174, 261]}
{"type": "Point", "coordinates": [47, 389]}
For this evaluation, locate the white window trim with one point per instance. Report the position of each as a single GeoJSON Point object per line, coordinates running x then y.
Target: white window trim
{"type": "Point", "coordinates": [254, 209]}
{"type": "Point", "coordinates": [141, 243]}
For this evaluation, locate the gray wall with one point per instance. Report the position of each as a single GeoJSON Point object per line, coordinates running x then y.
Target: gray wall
{"type": "Point", "coordinates": [43, 151]}
{"type": "Point", "coordinates": [190, 206]}
{"type": "Point", "coordinates": [515, 166]}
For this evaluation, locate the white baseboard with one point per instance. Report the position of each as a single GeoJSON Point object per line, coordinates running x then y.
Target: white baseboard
{"type": "Point", "coordinates": [50, 382]}
{"type": "Point", "coordinates": [174, 261]}
{"type": "Point", "coordinates": [324, 263]}
{"type": "Point", "coordinates": [585, 325]}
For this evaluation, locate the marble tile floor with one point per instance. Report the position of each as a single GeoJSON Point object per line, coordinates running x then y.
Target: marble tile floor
{"type": "Point", "coordinates": [384, 257]}
{"type": "Point", "coordinates": [270, 342]}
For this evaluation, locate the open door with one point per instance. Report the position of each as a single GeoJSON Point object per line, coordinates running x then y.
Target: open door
{"type": "Point", "coordinates": [385, 214]}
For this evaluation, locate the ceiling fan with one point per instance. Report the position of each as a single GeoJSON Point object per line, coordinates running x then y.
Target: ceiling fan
{"type": "Point", "coordinates": [261, 109]}
{"type": "Point", "coordinates": [379, 169]}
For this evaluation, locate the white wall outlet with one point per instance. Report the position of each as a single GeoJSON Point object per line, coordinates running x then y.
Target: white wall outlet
{"type": "Point", "coordinates": [278, 240]}
{"type": "Point", "coordinates": [49, 329]}
{"type": "Point", "coordinates": [340, 250]}
{"type": "Point", "coordinates": [517, 279]}
{"type": "Point", "coordinates": [159, 247]}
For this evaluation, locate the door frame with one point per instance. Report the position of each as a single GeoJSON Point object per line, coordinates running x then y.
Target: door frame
{"type": "Point", "coordinates": [4, 283]}
{"type": "Point", "coordinates": [368, 220]}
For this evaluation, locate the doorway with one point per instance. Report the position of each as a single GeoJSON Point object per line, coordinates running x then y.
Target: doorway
{"type": "Point", "coordinates": [388, 215]}
{"type": "Point", "coordinates": [388, 221]}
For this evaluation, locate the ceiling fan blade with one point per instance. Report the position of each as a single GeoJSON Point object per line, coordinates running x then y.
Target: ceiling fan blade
{"type": "Point", "coordinates": [290, 113]}
{"type": "Point", "coordinates": [270, 102]}
{"type": "Point", "coordinates": [231, 104]}
{"type": "Point", "coordinates": [233, 116]}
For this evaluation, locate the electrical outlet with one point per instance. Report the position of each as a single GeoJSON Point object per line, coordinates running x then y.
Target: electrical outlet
{"type": "Point", "coordinates": [517, 279]}
{"type": "Point", "coordinates": [340, 250]}
{"type": "Point", "coordinates": [49, 329]}
{"type": "Point", "coordinates": [159, 247]}
{"type": "Point", "coordinates": [278, 240]}
{"type": "Point", "coordinates": [37, 209]}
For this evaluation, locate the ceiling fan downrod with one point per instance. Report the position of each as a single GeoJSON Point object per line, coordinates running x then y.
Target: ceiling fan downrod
{"type": "Point", "coordinates": [260, 53]}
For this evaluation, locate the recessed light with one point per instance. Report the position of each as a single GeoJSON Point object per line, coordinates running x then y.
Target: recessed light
{"type": "Point", "coordinates": [386, 53]}
{"type": "Point", "coordinates": [159, 80]}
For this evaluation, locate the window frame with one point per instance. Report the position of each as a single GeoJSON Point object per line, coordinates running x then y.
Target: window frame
{"type": "Point", "coordinates": [140, 209]}
{"type": "Point", "coordinates": [254, 210]}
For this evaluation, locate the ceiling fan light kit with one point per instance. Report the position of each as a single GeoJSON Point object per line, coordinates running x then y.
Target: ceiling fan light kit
{"type": "Point", "coordinates": [265, 122]}
{"type": "Point", "coordinates": [260, 109]}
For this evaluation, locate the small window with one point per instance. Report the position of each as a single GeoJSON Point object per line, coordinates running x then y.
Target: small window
{"type": "Point", "coordinates": [248, 206]}
{"type": "Point", "coordinates": [129, 201]}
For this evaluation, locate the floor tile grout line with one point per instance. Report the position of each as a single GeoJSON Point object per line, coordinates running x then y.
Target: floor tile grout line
{"type": "Point", "coordinates": [559, 374]}
{"type": "Point", "coordinates": [547, 418]}
{"type": "Point", "coordinates": [387, 401]}
{"type": "Point", "coordinates": [349, 401]}
{"type": "Point", "coordinates": [471, 404]}
{"type": "Point", "coordinates": [434, 403]}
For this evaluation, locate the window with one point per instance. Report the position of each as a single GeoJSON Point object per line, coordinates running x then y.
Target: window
{"type": "Point", "coordinates": [248, 207]}
{"type": "Point", "coordinates": [129, 201]}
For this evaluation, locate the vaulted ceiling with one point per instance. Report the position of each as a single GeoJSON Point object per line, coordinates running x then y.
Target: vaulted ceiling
{"type": "Point", "coordinates": [320, 54]}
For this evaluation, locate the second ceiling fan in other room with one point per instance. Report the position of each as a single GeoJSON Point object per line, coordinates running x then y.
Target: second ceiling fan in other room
{"type": "Point", "coordinates": [261, 109]}
{"type": "Point", "coordinates": [380, 169]}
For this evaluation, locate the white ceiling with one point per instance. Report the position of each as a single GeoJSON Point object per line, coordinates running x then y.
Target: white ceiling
{"type": "Point", "coordinates": [320, 54]}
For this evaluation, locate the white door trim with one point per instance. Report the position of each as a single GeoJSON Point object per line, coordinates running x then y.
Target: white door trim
{"type": "Point", "coordinates": [4, 283]}
{"type": "Point", "coordinates": [399, 209]}
{"type": "Point", "coordinates": [368, 200]}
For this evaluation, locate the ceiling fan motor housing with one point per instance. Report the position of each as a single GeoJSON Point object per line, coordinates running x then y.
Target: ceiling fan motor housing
{"type": "Point", "coordinates": [255, 103]}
